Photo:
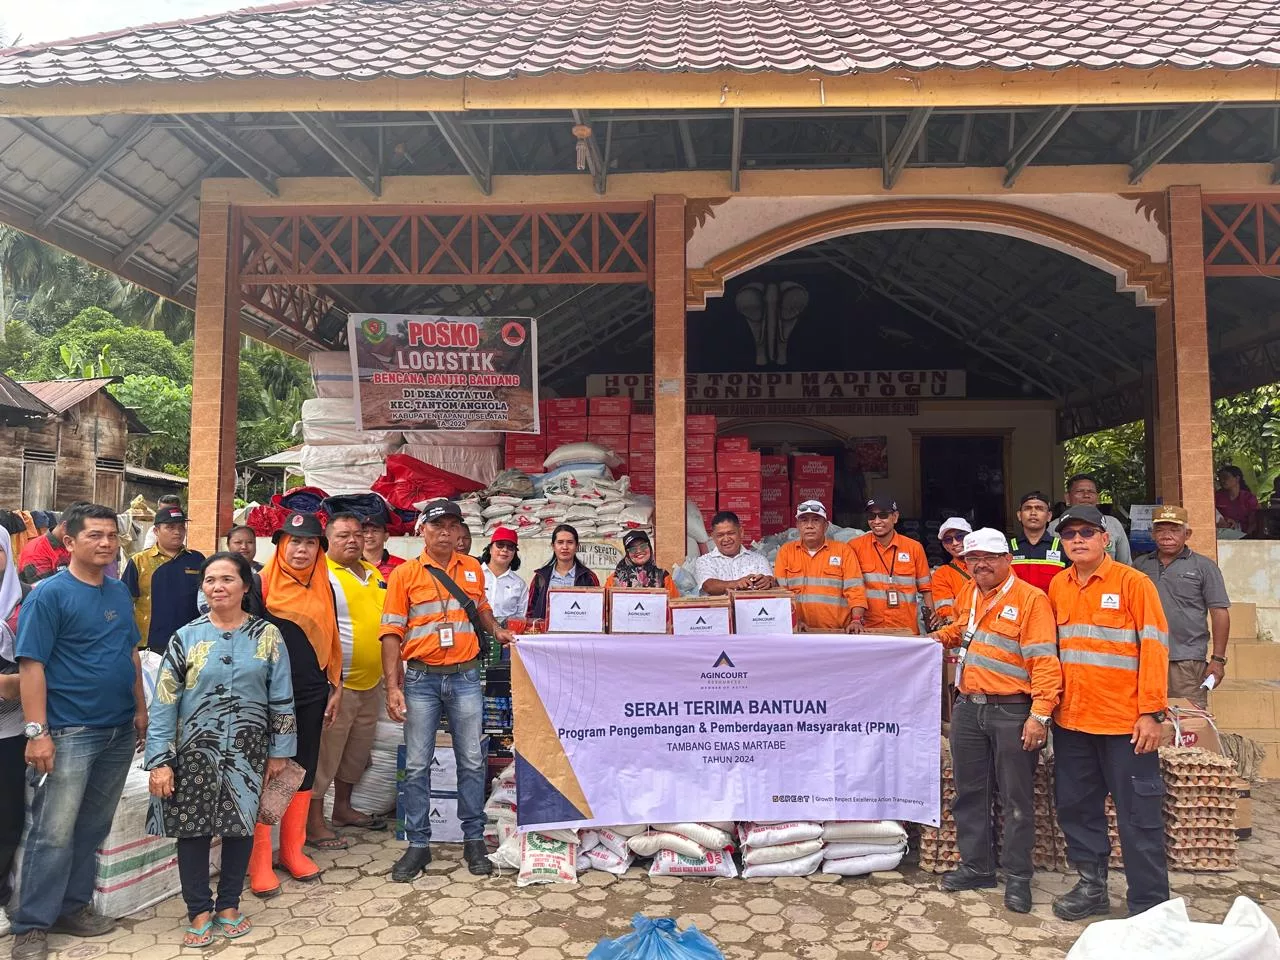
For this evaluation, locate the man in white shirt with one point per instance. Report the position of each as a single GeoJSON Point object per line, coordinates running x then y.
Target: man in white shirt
{"type": "Point", "coordinates": [1083, 489]}
{"type": "Point", "coordinates": [730, 566]}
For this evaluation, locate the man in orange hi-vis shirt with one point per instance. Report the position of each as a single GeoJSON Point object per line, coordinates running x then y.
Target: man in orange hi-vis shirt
{"type": "Point", "coordinates": [949, 579]}
{"type": "Point", "coordinates": [1113, 641]}
{"type": "Point", "coordinates": [895, 569]}
{"type": "Point", "coordinates": [823, 574]}
{"type": "Point", "coordinates": [1007, 686]}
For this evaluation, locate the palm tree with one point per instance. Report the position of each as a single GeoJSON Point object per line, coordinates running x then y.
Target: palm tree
{"type": "Point", "coordinates": [26, 266]}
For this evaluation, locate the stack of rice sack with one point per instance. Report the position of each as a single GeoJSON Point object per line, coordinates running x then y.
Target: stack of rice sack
{"type": "Point", "coordinates": [938, 850]}
{"type": "Point", "coordinates": [791, 849]}
{"type": "Point", "coordinates": [549, 856]}
{"type": "Point", "coordinates": [473, 517]}
{"type": "Point", "coordinates": [687, 849]}
{"type": "Point", "coordinates": [338, 456]}
{"type": "Point", "coordinates": [1199, 808]}
{"type": "Point", "coordinates": [852, 848]}
{"type": "Point", "coordinates": [606, 849]}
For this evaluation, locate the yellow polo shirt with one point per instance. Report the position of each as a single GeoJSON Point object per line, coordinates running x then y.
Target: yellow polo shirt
{"type": "Point", "coordinates": [359, 605]}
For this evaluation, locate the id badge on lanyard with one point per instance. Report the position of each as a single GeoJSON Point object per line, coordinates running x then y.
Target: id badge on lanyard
{"type": "Point", "coordinates": [445, 634]}
{"type": "Point", "coordinates": [893, 600]}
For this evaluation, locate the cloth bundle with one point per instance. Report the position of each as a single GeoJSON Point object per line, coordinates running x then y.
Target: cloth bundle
{"type": "Point", "coordinates": [791, 849]}
{"type": "Point", "coordinates": [853, 848]}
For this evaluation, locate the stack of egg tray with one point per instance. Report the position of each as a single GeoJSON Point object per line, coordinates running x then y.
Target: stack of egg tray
{"type": "Point", "coordinates": [1199, 809]}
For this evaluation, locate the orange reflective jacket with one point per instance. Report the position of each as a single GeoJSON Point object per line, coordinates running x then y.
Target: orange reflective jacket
{"type": "Point", "coordinates": [418, 605]}
{"type": "Point", "coordinates": [947, 582]}
{"type": "Point", "coordinates": [902, 566]}
{"type": "Point", "coordinates": [827, 585]}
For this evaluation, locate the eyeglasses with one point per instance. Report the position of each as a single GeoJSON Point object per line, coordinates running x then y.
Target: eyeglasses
{"type": "Point", "coordinates": [638, 548]}
{"type": "Point", "coordinates": [953, 538]}
{"type": "Point", "coordinates": [1081, 533]}
{"type": "Point", "coordinates": [879, 515]}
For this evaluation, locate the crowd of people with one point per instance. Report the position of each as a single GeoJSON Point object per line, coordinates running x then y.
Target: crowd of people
{"type": "Point", "coordinates": [278, 672]}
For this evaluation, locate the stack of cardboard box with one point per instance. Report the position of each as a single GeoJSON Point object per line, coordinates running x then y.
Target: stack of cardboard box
{"type": "Point", "coordinates": [564, 420]}
{"type": "Point", "coordinates": [609, 426]}
{"type": "Point", "coordinates": [640, 454]}
{"type": "Point", "coordinates": [739, 484]}
{"type": "Point", "coordinates": [813, 477]}
{"type": "Point", "coordinates": [700, 464]}
{"type": "Point", "coordinates": [775, 495]}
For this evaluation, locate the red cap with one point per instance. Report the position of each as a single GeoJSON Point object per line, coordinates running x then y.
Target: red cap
{"type": "Point", "coordinates": [504, 533]}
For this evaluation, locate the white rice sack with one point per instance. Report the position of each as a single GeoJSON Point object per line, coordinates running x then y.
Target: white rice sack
{"type": "Point", "coordinates": [611, 508]}
{"type": "Point", "coordinates": [331, 373]}
{"type": "Point", "coordinates": [753, 856]}
{"type": "Point", "coordinates": [636, 515]}
{"type": "Point", "coordinates": [859, 866]}
{"type": "Point", "coordinates": [616, 842]}
{"type": "Point", "coordinates": [504, 793]}
{"type": "Point", "coordinates": [800, 867]}
{"type": "Point", "coordinates": [884, 831]}
{"type": "Point", "coordinates": [543, 860]}
{"type": "Point", "coordinates": [580, 453]}
{"type": "Point", "coordinates": [507, 856]}
{"type": "Point", "coordinates": [580, 511]}
{"type": "Point", "coordinates": [629, 829]}
{"type": "Point", "coordinates": [703, 834]}
{"type": "Point", "coordinates": [713, 863]}
{"type": "Point", "coordinates": [772, 834]}
{"type": "Point", "coordinates": [588, 840]}
{"type": "Point", "coordinates": [564, 836]}
{"type": "Point", "coordinates": [497, 510]}
{"type": "Point", "coordinates": [453, 438]}
{"type": "Point", "coordinates": [606, 860]}
{"type": "Point", "coordinates": [648, 844]}
{"type": "Point", "coordinates": [849, 849]}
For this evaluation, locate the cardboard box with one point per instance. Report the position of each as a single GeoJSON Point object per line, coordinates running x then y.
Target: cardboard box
{"type": "Point", "coordinates": [762, 611]}
{"type": "Point", "coordinates": [773, 465]}
{"type": "Point", "coordinates": [748, 462]}
{"type": "Point", "coordinates": [518, 444]}
{"type": "Point", "coordinates": [733, 444]}
{"type": "Point", "coordinates": [704, 500]}
{"type": "Point", "coordinates": [811, 468]}
{"type": "Point", "coordinates": [800, 492]}
{"type": "Point", "coordinates": [575, 610]}
{"type": "Point", "coordinates": [1188, 726]}
{"type": "Point", "coordinates": [700, 423]}
{"type": "Point", "coordinates": [642, 442]}
{"type": "Point", "coordinates": [751, 526]}
{"type": "Point", "coordinates": [700, 463]}
{"type": "Point", "coordinates": [574, 428]}
{"type": "Point", "coordinates": [638, 610]}
{"type": "Point", "coordinates": [565, 406]}
{"type": "Point", "coordinates": [774, 520]}
{"type": "Point", "coordinates": [1244, 810]}
{"type": "Point", "coordinates": [740, 503]}
{"type": "Point", "coordinates": [773, 494]}
{"type": "Point", "coordinates": [702, 443]}
{"type": "Point", "coordinates": [644, 462]}
{"type": "Point", "coordinates": [645, 484]}
{"type": "Point", "coordinates": [619, 444]}
{"type": "Point", "coordinates": [700, 483]}
{"type": "Point", "coordinates": [609, 406]}
{"type": "Point", "coordinates": [609, 425]}
{"type": "Point", "coordinates": [525, 462]}
{"type": "Point", "coordinates": [642, 423]}
{"type": "Point", "coordinates": [701, 616]}
{"type": "Point", "coordinates": [739, 482]}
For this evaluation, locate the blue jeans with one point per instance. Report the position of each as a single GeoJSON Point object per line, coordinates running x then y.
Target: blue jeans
{"type": "Point", "coordinates": [70, 818]}
{"type": "Point", "coordinates": [461, 698]}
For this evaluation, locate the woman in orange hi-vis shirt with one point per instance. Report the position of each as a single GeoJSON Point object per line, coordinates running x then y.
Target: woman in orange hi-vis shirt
{"type": "Point", "coordinates": [949, 578]}
{"type": "Point", "coordinates": [1113, 641]}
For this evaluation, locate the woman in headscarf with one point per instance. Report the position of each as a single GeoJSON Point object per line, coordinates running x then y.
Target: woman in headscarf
{"type": "Point", "coordinates": [13, 745]}
{"type": "Point", "coordinates": [637, 569]}
{"type": "Point", "coordinates": [299, 600]}
{"type": "Point", "coordinates": [222, 725]}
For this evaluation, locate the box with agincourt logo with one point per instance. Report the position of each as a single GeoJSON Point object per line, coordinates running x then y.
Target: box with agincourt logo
{"type": "Point", "coordinates": [762, 611]}
{"type": "Point", "coordinates": [701, 616]}
{"type": "Point", "coordinates": [638, 610]}
{"type": "Point", "coordinates": [575, 610]}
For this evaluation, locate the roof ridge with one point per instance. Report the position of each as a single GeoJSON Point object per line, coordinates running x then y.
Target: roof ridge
{"type": "Point", "coordinates": [278, 7]}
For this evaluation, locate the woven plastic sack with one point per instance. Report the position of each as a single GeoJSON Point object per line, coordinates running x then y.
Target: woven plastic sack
{"type": "Point", "coordinates": [657, 940]}
{"type": "Point", "coordinates": [409, 481]}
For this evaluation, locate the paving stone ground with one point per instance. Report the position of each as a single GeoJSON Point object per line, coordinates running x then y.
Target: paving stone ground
{"type": "Point", "coordinates": [355, 911]}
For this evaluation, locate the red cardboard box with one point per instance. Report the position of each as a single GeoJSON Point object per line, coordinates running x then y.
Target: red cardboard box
{"type": "Point", "coordinates": [642, 462]}
{"type": "Point", "coordinates": [642, 441]}
{"type": "Point", "coordinates": [748, 462]}
{"type": "Point", "coordinates": [644, 485]}
{"type": "Point", "coordinates": [610, 406]}
{"type": "Point", "coordinates": [774, 520]}
{"type": "Point", "coordinates": [611, 424]}
{"type": "Point", "coordinates": [642, 423]}
{"type": "Point", "coordinates": [565, 406]}
{"type": "Point", "coordinates": [700, 463]}
{"type": "Point", "coordinates": [526, 462]}
{"type": "Point", "coordinates": [740, 483]}
{"type": "Point", "coordinates": [700, 443]}
{"type": "Point", "coordinates": [773, 466]}
{"type": "Point", "coordinates": [733, 444]}
{"type": "Point", "coordinates": [812, 468]}
{"type": "Point", "coordinates": [516, 444]}
{"type": "Point", "coordinates": [773, 494]}
{"type": "Point", "coordinates": [752, 529]}
{"type": "Point", "coordinates": [568, 426]}
{"type": "Point", "coordinates": [740, 503]}
{"type": "Point", "coordinates": [619, 444]}
{"type": "Point", "coordinates": [705, 500]}
{"type": "Point", "coordinates": [700, 423]}
{"type": "Point", "coordinates": [702, 482]}
{"type": "Point", "coordinates": [822, 492]}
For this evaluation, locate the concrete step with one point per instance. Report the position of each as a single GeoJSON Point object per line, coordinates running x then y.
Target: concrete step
{"type": "Point", "coordinates": [1246, 704]}
{"type": "Point", "coordinates": [1244, 621]}
{"type": "Point", "coordinates": [1253, 660]}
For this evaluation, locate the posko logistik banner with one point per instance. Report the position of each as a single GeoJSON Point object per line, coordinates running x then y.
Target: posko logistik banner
{"type": "Point", "coordinates": [444, 373]}
{"type": "Point", "coordinates": [626, 730]}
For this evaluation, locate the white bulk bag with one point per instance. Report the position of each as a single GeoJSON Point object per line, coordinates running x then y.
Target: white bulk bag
{"type": "Point", "coordinates": [1165, 932]}
{"type": "Point", "coordinates": [344, 469]}
{"type": "Point", "coordinates": [331, 373]}
{"type": "Point", "coordinates": [332, 420]}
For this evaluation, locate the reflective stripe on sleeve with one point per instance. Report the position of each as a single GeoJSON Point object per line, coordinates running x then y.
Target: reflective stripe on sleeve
{"type": "Point", "coordinates": [394, 620]}
{"type": "Point", "coordinates": [1040, 650]}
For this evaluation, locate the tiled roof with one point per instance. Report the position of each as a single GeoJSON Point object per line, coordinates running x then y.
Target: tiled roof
{"type": "Point", "coordinates": [494, 39]}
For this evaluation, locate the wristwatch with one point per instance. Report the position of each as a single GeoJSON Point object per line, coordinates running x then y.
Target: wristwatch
{"type": "Point", "coordinates": [1217, 659]}
{"type": "Point", "coordinates": [1043, 721]}
{"type": "Point", "coordinates": [1158, 716]}
{"type": "Point", "coordinates": [34, 729]}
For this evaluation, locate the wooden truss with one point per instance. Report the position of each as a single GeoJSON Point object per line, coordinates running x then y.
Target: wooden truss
{"type": "Point", "coordinates": [1241, 236]}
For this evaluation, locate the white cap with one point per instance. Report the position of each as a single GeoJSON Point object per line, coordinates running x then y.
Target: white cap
{"type": "Point", "coordinates": [811, 506]}
{"type": "Point", "coordinates": [986, 540]}
{"type": "Point", "coordinates": [954, 523]}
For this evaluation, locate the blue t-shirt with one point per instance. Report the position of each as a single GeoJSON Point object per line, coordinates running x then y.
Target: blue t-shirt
{"type": "Point", "coordinates": [85, 636]}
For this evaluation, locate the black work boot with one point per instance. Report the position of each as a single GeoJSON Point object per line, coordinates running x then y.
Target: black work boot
{"type": "Point", "coordinates": [1087, 898]}
{"type": "Point", "coordinates": [476, 853]}
{"type": "Point", "coordinates": [413, 862]}
{"type": "Point", "coordinates": [966, 878]}
{"type": "Point", "coordinates": [1017, 894]}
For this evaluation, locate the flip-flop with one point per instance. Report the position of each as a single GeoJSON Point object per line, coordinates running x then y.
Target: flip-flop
{"type": "Point", "coordinates": [366, 823]}
{"type": "Point", "coordinates": [234, 929]}
{"type": "Point", "coordinates": [330, 843]}
{"type": "Point", "coordinates": [199, 937]}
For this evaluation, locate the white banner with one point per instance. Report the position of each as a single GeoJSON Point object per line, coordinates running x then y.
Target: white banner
{"type": "Point", "coordinates": [627, 730]}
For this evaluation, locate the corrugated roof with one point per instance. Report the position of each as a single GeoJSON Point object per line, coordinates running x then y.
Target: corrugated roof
{"type": "Point", "coordinates": [15, 397]}
{"type": "Point", "coordinates": [62, 395]}
{"type": "Point", "coordinates": [494, 39]}
{"type": "Point", "coordinates": [142, 473]}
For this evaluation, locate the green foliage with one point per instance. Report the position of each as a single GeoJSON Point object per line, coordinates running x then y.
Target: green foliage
{"type": "Point", "coordinates": [165, 407]}
{"type": "Point", "coordinates": [1246, 432]}
{"type": "Point", "coordinates": [95, 333]}
{"type": "Point", "coordinates": [1117, 458]}
{"type": "Point", "coordinates": [18, 348]}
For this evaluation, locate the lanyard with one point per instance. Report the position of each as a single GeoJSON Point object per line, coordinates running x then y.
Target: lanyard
{"type": "Point", "coordinates": [976, 618]}
{"type": "Point", "coordinates": [893, 562]}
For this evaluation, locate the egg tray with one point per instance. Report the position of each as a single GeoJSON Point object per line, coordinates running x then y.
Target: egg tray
{"type": "Point", "coordinates": [1203, 864]}
{"type": "Point", "coordinates": [1195, 758]}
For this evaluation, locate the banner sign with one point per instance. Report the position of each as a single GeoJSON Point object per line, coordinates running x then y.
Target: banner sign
{"type": "Point", "coordinates": [820, 385]}
{"type": "Point", "coordinates": [622, 730]}
{"type": "Point", "coordinates": [444, 373]}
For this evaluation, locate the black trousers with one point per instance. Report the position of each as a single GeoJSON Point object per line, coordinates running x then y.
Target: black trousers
{"type": "Point", "coordinates": [310, 719]}
{"type": "Point", "coordinates": [193, 871]}
{"type": "Point", "coordinates": [1088, 766]}
{"type": "Point", "coordinates": [13, 806]}
{"type": "Point", "coordinates": [986, 752]}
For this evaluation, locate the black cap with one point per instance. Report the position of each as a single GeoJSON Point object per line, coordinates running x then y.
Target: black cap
{"type": "Point", "coordinates": [439, 509]}
{"type": "Point", "coordinates": [301, 525]}
{"type": "Point", "coordinates": [1035, 495]}
{"type": "Point", "coordinates": [1082, 513]}
{"type": "Point", "coordinates": [882, 505]}
{"type": "Point", "coordinates": [634, 536]}
{"type": "Point", "coordinates": [170, 515]}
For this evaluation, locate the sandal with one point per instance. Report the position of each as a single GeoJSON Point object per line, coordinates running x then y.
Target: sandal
{"type": "Point", "coordinates": [199, 937]}
{"type": "Point", "coordinates": [330, 843]}
{"type": "Point", "coordinates": [234, 929]}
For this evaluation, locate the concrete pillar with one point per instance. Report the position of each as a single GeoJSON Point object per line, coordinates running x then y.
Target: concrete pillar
{"type": "Point", "coordinates": [215, 382]}
{"type": "Point", "coordinates": [668, 377]}
{"type": "Point", "coordinates": [1184, 437]}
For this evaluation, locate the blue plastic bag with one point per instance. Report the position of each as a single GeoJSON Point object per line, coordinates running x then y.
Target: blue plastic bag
{"type": "Point", "coordinates": [657, 940]}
